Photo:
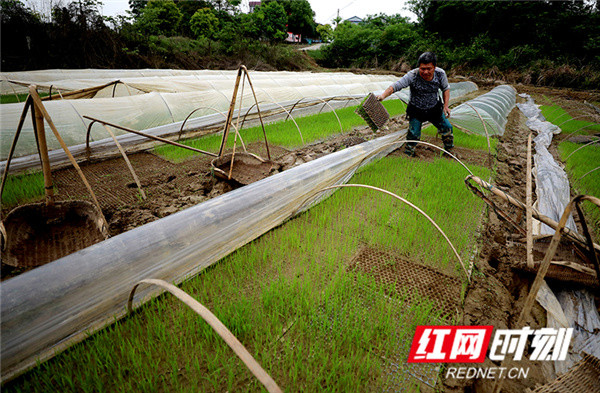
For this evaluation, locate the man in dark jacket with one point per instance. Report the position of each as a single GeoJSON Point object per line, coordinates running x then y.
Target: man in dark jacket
{"type": "Point", "coordinates": [424, 105]}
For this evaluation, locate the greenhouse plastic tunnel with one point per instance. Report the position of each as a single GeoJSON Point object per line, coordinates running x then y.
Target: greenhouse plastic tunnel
{"type": "Point", "coordinates": [47, 309]}
{"type": "Point", "coordinates": [155, 114]}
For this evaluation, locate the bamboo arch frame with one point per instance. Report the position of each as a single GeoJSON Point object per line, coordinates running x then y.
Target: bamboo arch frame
{"type": "Point", "coordinates": [216, 110]}
{"type": "Point", "coordinates": [218, 326]}
{"type": "Point", "coordinates": [409, 204]}
{"type": "Point", "coordinates": [324, 102]}
{"type": "Point", "coordinates": [432, 145]}
{"type": "Point", "coordinates": [282, 107]}
{"type": "Point", "coordinates": [581, 147]}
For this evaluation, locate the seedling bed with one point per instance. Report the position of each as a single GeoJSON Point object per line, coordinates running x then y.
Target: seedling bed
{"type": "Point", "coordinates": [411, 281]}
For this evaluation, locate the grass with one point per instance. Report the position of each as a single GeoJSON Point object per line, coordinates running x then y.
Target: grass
{"type": "Point", "coordinates": [284, 133]}
{"type": "Point", "coordinates": [290, 299]}
{"type": "Point", "coordinates": [22, 188]}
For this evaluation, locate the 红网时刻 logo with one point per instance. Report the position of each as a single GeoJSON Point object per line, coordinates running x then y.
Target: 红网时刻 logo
{"type": "Point", "coordinates": [470, 344]}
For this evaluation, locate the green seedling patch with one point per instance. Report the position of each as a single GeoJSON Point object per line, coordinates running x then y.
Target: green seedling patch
{"type": "Point", "coordinates": [290, 298]}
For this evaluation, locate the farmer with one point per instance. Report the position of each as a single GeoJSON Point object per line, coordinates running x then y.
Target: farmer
{"type": "Point", "coordinates": [425, 103]}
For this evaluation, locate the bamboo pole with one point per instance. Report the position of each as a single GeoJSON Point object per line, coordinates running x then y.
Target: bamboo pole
{"type": "Point", "coordinates": [156, 138]}
{"type": "Point", "coordinates": [262, 124]}
{"type": "Point", "coordinates": [43, 151]}
{"type": "Point", "coordinates": [540, 217]}
{"type": "Point", "coordinates": [28, 103]}
{"type": "Point", "coordinates": [230, 112]}
{"type": "Point", "coordinates": [529, 202]}
{"type": "Point", "coordinates": [237, 125]}
{"type": "Point", "coordinates": [137, 180]}
{"type": "Point", "coordinates": [40, 106]}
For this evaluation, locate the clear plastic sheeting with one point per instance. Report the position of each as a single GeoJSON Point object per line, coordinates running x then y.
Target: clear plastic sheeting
{"type": "Point", "coordinates": [552, 184]}
{"type": "Point", "coordinates": [162, 114]}
{"type": "Point", "coordinates": [572, 309]}
{"type": "Point", "coordinates": [45, 310]}
{"type": "Point", "coordinates": [144, 111]}
{"type": "Point", "coordinates": [493, 108]}
{"type": "Point", "coordinates": [133, 82]}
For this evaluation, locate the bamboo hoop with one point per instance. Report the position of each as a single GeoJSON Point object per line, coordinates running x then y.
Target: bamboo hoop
{"type": "Point", "coordinates": [593, 170]}
{"type": "Point", "coordinates": [324, 102]}
{"type": "Point", "coordinates": [409, 204]}
{"type": "Point", "coordinates": [156, 138]}
{"type": "Point", "coordinates": [237, 347]}
{"type": "Point", "coordinates": [577, 130]}
{"type": "Point", "coordinates": [487, 136]}
{"type": "Point", "coordinates": [216, 110]}
{"type": "Point", "coordinates": [581, 147]}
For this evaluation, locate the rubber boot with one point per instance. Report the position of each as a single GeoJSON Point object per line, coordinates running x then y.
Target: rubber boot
{"type": "Point", "coordinates": [448, 139]}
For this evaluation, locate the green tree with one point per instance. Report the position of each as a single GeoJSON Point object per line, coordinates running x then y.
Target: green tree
{"type": "Point", "coordinates": [204, 23]}
{"type": "Point", "coordinates": [325, 32]}
{"type": "Point", "coordinates": [188, 8]}
{"type": "Point", "coordinates": [270, 19]}
{"type": "Point", "coordinates": [136, 7]}
{"type": "Point", "coordinates": [159, 17]}
{"type": "Point", "coordinates": [300, 17]}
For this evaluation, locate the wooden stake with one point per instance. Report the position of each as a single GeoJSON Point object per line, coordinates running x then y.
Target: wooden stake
{"type": "Point", "coordinates": [43, 151]}
{"type": "Point", "coordinates": [137, 181]}
{"type": "Point", "coordinates": [528, 202]}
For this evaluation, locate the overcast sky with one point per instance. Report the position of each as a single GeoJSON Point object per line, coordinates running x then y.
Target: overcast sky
{"type": "Point", "coordinates": [325, 10]}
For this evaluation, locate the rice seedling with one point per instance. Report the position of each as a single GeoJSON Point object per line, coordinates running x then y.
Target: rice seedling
{"type": "Point", "coordinates": [568, 124]}
{"type": "Point", "coordinates": [578, 166]}
{"type": "Point", "coordinates": [22, 188]}
{"type": "Point", "coordinates": [282, 133]}
{"type": "Point", "coordinates": [462, 139]}
{"type": "Point", "coordinates": [290, 298]}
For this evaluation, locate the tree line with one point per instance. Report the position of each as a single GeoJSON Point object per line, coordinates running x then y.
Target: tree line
{"type": "Point", "coordinates": [540, 42]}
{"type": "Point", "coordinates": [155, 33]}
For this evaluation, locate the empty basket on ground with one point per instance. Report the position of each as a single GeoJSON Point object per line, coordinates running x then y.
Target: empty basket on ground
{"type": "Point", "coordinates": [373, 112]}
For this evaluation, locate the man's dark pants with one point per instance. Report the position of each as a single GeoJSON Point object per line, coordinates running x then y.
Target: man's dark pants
{"type": "Point", "coordinates": [414, 133]}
